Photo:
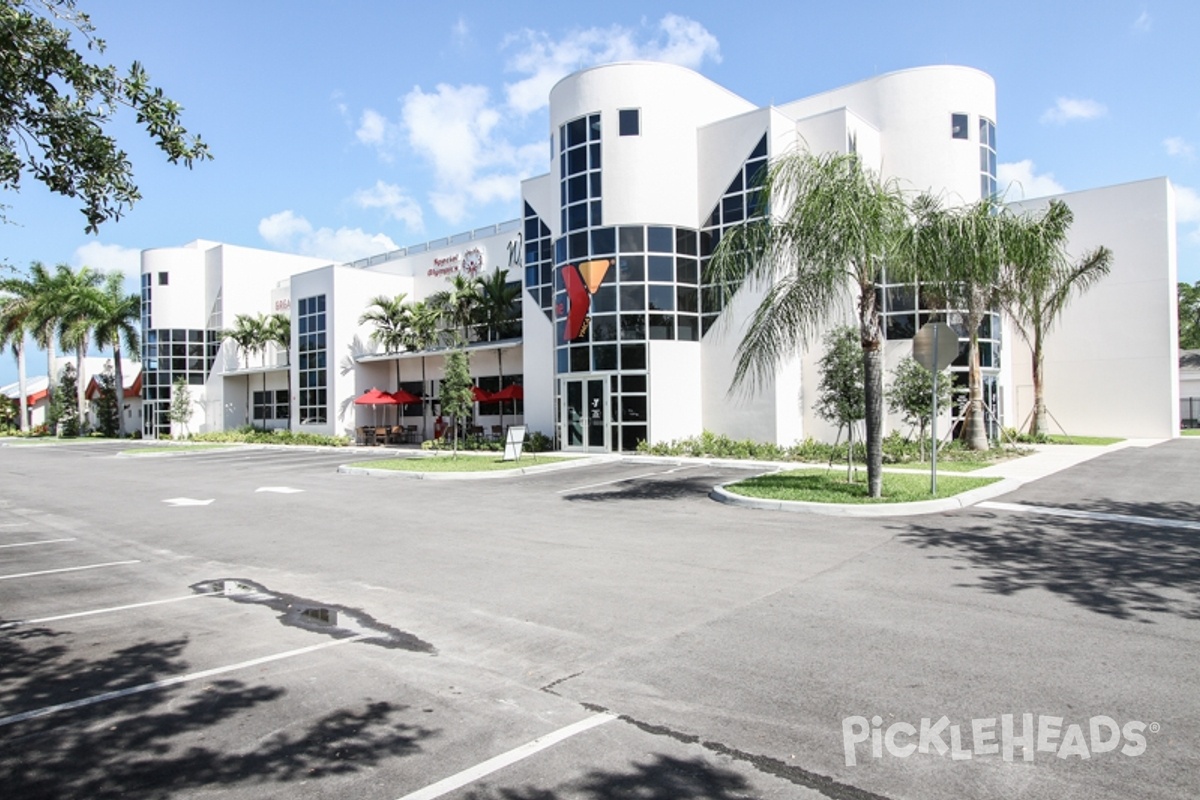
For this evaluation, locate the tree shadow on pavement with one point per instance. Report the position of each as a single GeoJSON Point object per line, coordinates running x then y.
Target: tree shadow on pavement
{"type": "Point", "coordinates": [1115, 568]}
{"type": "Point", "coordinates": [696, 486]}
{"type": "Point", "coordinates": [152, 744]}
{"type": "Point", "coordinates": [662, 778]}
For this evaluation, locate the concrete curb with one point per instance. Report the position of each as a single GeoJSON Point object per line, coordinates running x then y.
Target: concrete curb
{"type": "Point", "coordinates": [961, 500]}
{"type": "Point", "coordinates": [346, 469]}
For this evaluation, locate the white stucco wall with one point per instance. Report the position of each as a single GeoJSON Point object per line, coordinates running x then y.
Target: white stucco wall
{"type": "Point", "coordinates": [1112, 362]}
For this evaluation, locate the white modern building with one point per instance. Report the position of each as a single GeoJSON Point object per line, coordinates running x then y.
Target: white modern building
{"type": "Point", "coordinates": [621, 340]}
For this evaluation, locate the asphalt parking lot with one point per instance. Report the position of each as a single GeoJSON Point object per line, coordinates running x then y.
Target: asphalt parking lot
{"type": "Point", "coordinates": [249, 623]}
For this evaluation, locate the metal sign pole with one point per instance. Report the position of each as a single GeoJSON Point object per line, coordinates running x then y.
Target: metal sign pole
{"type": "Point", "coordinates": [933, 427]}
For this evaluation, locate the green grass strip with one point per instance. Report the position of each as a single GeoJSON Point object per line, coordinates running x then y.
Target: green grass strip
{"type": "Point", "coordinates": [943, 466]}
{"type": "Point", "coordinates": [1191, 432]}
{"type": "Point", "coordinates": [464, 463]}
{"type": "Point", "coordinates": [1096, 440]}
{"type": "Point", "coordinates": [830, 486]}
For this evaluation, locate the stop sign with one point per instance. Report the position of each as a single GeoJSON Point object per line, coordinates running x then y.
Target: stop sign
{"type": "Point", "coordinates": [935, 346]}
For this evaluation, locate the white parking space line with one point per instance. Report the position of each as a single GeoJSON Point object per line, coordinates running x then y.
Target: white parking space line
{"type": "Point", "coordinates": [66, 569]}
{"type": "Point", "coordinates": [31, 544]}
{"type": "Point", "coordinates": [193, 676]}
{"type": "Point", "coordinates": [1074, 513]}
{"type": "Point", "coordinates": [93, 612]}
{"type": "Point", "coordinates": [622, 480]}
{"type": "Point", "coordinates": [472, 774]}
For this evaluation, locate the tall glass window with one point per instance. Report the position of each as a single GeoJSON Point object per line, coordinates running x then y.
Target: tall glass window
{"type": "Point", "coordinates": [539, 262]}
{"type": "Point", "coordinates": [312, 372]}
{"type": "Point", "coordinates": [167, 355]}
{"type": "Point", "coordinates": [987, 157]}
{"type": "Point", "coordinates": [741, 202]}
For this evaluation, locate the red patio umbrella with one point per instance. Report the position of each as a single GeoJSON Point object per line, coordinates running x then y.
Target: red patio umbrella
{"type": "Point", "coordinates": [374, 397]}
{"type": "Point", "coordinates": [514, 391]}
{"type": "Point", "coordinates": [480, 396]}
{"type": "Point", "coordinates": [403, 398]}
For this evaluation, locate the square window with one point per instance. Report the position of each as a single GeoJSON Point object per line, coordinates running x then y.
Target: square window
{"type": "Point", "coordinates": [580, 358]}
{"type": "Point", "coordinates": [162, 278]}
{"type": "Point", "coordinates": [594, 127]}
{"type": "Point", "coordinates": [632, 269]}
{"type": "Point", "coordinates": [660, 240]}
{"type": "Point", "coordinates": [662, 298]}
{"type": "Point", "coordinates": [632, 240]}
{"type": "Point", "coordinates": [685, 242]}
{"type": "Point", "coordinates": [604, 357]}
{"type": "Point", "coordinates": [576, 131]}
{"type": "Point", "coordinates": [660, 268]}
{"type": "Point", "coordinates": [662, 326]}
{"type": "Point", "coordinates": [630, 122]}
{"type": "Point", "coordinates": [604, 241]}
{"type": "Point", "coordinates": [633, 298]}
{"type": "Point", "coordinates": [689, 328]}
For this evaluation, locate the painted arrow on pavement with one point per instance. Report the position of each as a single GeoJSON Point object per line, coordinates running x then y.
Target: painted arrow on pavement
{"type": "Point", "coordinates": [186, 501]}
{"type": "Point", "coordinates": [278, 489]}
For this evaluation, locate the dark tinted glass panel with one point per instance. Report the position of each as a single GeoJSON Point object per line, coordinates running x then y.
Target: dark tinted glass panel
{"type": "Point", "coordinates": [577, 189]}
{"type": "Point", "coordinates": [531, 228]}
{"type": "Point", "coordinates": [633, 298]}
{"type": "Point", "coordinates": [577, 217]}
{"type": "Point", "coordinates": [685, 241]}
{"type": "Point", "coordinates": [580, 358]}
{"type": "Point", "coordinates": [597, 217]}
{"type": "Point", "coordinates": [687, 299]}
{"type": "Point", "coordinates": [604, 241]}
{"type": "Point", "coordinates": [958, 126]}
{"type": "Point", "coordinates": [604, 357]}
{"type": "Point", "coordinates": [900, 326]}
{"type": "Point", "coordinates": [576, 161]}
{"type": "Point", "coordinates": [604, 328]}
{"type": "Point", "coordinates": [633, 328]}
{"type": "Point", "coordinates": [594, 150]}
{"type": "Point", "coordinates": [560, 250]}
{"type": "Point", "coordinates": [632, 240]}
{"type": "Point", "coordinates": [594, 181]}
{"type": "Point", "coordinates": [633, 383]}
{"type": "Point", "coordinates": [662, 326]}
{"type": "Point", "coordinates": [629, 122]}
{"type": "Point", "coordinates": [578, 245]}
{"type": "Point", "coordinates": [631, 268]}
{"type": "Point", "coordinates": [561, 360]}
{"type": "Point", "coordinates": [662, 298]}
{"type": "Point", "coordinates": [631, 435]}
{"type": "Point", "coordinates": [660, 240]}
{"type": "Point", "coordinates": [731, 209]}
{"type": "Point", "coordinates": [633, 408]}
{"type": "Point", "coordinates": [687, 271]}
{"type": "Point", "coordinates": [736, 184]}
{"type": "Point", "coordinates": [605, 298]}
{"type": "Point", "coordinates": [531, 276]}
{"type": "Point", "coordinates": [660, 268]}
{"type": "Point", "coordinates": [594, 127]}
{"type": "Point", "coordinates": [900, 298]}
{"type": "Point", "coordinates": [760, 149]}
{"type": "Point", "coordinates": [688, 328]}
{"type": "Point", "coordinates": [576, 132]}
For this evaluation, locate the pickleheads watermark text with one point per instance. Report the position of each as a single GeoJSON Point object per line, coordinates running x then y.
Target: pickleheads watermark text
{"type": "Point", "coordinates": [1005, 736]}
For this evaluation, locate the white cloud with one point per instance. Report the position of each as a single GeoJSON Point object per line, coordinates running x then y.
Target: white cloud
{"type": "Point", "coordinates": [1143, 23]}
{"type": "Point", "coordinates": [466, 136]}
{"type": "Point", "coordinates": [1020, 181]}
{"type": "Point", "coordinates": [392, 199]}
{"type": "Point", "coordinates": [291, 233]}
{"type": "Point", "coordinates": [678, 40]}
{"type": "Point", "coordinates": [1179, 147]}
{"type": "Point", "coordinates": [460, 32]}
{"type": "Point", "coordinates": [1187, 211]}
{"type": "Point", "coordinates": [109, 258]}
{"type": "Point", "coordinates": [1069, 108]}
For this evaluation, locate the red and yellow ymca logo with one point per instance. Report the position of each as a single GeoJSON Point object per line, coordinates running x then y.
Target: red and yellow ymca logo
{"type": "Point", "coordinates": [581, 282]}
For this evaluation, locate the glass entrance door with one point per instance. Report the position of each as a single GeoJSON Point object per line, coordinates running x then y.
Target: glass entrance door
{"type": "Point", "coordinates": [584, 413]}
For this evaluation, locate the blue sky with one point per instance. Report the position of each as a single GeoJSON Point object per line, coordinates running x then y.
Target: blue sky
{"type": "Point", "coordinates": [345, 129]}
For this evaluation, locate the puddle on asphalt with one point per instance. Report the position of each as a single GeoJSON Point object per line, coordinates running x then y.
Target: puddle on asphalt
{"type": "Point", "coordinates": [312, 615]}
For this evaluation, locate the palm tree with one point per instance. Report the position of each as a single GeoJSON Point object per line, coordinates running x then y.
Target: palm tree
{"type": "Point", "coordinates": [45, 313]}
{"type": "Point", "coordinates": [962, 254]}
{"type": "Point", "coordinates": [497, 305]}
{"type": "Point", "coordinates": [833, 227]}
{"type": "Point", "coordinates": [460, 303]}
{"type": "Point", "coordinates": [116, 322]}
{"type": "Point", "coordinates": [421, 335]}
{"type": "Point", "coordinates": [16, 302]}
{"type": "Point", "coordinates": [279, 331]}
{"type": "Point", "coordinates": [389, 316]}
{"type": "Point", "coordinates": [1041, 283]}
{"type": "Point", "coordinates": [75, 325]}
{"type": "Point", "coordinates": [248, 335]}
{"type": "Point", "coordinates": [497, 312]}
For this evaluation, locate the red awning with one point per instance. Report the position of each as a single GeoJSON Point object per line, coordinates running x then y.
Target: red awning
{"type": "Point", "coordinates": [480, 395]}
{"type": "Point", "coordinates": [405, 397]}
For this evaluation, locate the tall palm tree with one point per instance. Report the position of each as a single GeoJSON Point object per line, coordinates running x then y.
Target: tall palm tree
{"type": "Point", "coordinates": [75, 324]}
{"type": "Point", "coordinates": [16, 302]}
{"type": "Point", "coordinates": [45, 312]}
{"type": "Point", "coordinates": [279, 331]}
{"type": "Point", "coordinates": [1041, 282]}
{"type": "Point", "coordinates": [497, 305]}
{"type": "Point", "coordinates": [832, 227]}
{"type": "Point", "coordinates": [248, 335]}
{"type": "Point", "coordinates": [962, 254]}
{"type": "Point", "coordinates": [116, 322]}
{"type": "Point", "coordinates": [389, 318]}
{"type": "Point", "coordinates": [497, 312]}
{"type": "Point", "coordinates": [421, 335]}
{"type": "Point", "coordinates": [459, 303]}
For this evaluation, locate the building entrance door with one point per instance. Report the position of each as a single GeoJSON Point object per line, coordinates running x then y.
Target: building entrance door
{"type": "Point", "coordinates": [584, 413]}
